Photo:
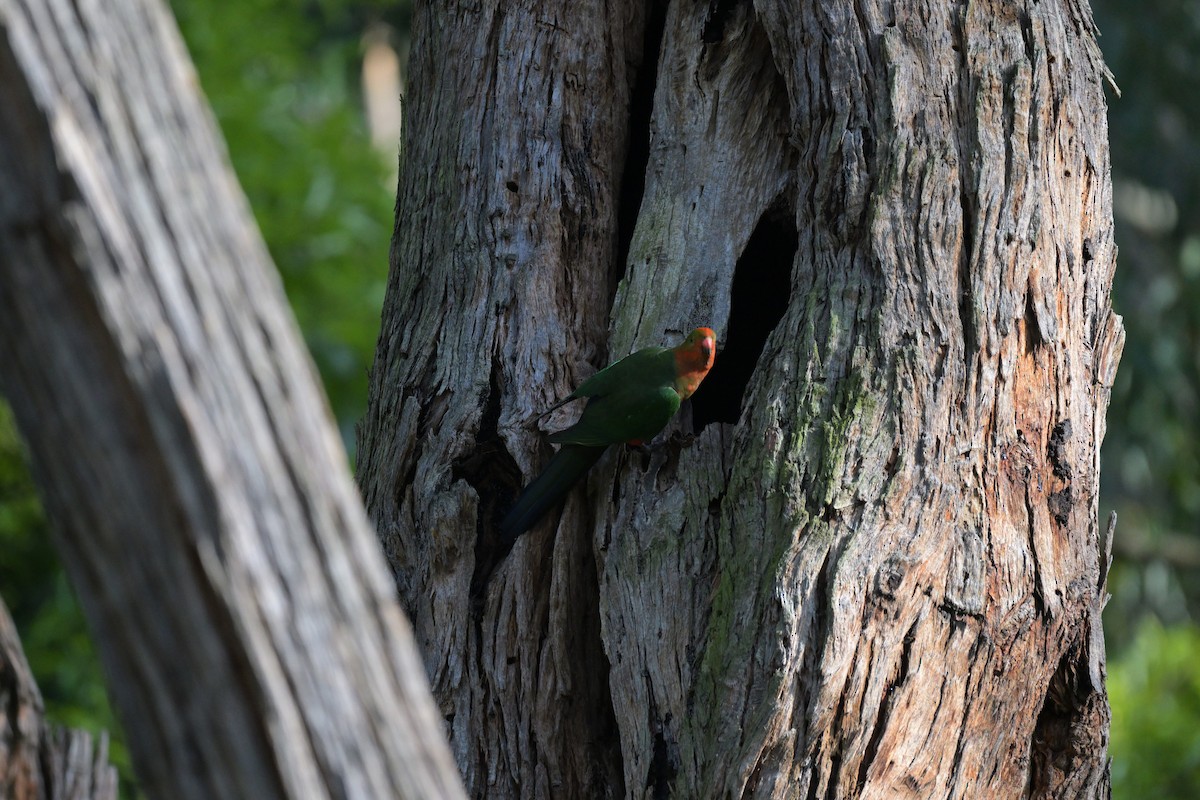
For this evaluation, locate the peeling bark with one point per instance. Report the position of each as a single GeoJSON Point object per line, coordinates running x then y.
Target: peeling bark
{"type": "Point", "coordinates": [867, 560]}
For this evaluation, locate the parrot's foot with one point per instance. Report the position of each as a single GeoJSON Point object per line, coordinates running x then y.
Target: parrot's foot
{"type": "Point", "coordinates": [678, 439]}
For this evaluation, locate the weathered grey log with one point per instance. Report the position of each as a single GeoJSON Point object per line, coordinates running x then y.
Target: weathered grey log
{"type": "Point", "coordinates": [881, 573]}
{"type": "Point", "coordinates": [200, 495]}
{"type": "Point", "coordinates": [38, 760]}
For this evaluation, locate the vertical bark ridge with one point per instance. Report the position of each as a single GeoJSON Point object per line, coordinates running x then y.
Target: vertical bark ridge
{"type": "Point", "coordinates": [718, 162]}
{"type": "Point", "coordinates": [502, 270]}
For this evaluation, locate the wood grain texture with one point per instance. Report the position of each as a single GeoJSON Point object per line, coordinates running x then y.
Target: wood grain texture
{"type": "Point", "coordinates": [201, 499]}
{"type": "Point", "coordinates": [885, 577]}
{"type": "Point", "coordinates": [40, 761]}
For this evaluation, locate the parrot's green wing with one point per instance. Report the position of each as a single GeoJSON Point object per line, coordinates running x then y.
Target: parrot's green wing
{"type": "Point", "coordinates": [646, 366]}
{"type": "Point", "coordinates": [631, 400]}
{"type": "Point", "coordinates": [634, 413]}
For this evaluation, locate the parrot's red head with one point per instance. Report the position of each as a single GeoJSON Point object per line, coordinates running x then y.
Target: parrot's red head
{"type": "Point", "coordinates": [693, 360]}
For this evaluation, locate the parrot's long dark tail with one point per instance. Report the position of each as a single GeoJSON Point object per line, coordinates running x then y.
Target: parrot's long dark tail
{"type": "Point", "coordinates": [569, 464]}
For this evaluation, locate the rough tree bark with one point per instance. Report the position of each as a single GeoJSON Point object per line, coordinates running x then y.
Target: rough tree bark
{"type": "Point", "coordinates": [202, 503]}
{"type": "Point", "coordinates": [40, 761]}
{"type": "Point", "coordinates": [875, 567]}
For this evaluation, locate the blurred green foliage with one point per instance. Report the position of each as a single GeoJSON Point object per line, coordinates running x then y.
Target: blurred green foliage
{"type": "Point", "coordinates": [1151, 463]}
{"type": "Point", "coordinates": [1150, 460]}
{"type": "Point", "coordinates": [1154, 688]}
{"type": "Point", "coordinates": [282, 78]}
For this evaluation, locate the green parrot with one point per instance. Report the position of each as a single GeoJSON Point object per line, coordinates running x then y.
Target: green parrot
{"type": "Point", "coordinates": [629, 401]}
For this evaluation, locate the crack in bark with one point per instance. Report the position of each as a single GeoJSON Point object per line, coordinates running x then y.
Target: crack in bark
{"type": "Point", "coordinates": [491, 471]}
{"type": "Point", "coordinates": [1065, 729]}
{"type": "Point", "coordinates": [1056, 450]}
{"type": "Point", "coordinates": [872, 750]}
{"type": "Point", "coordinates": [718, 15]}
{"type": "Point", "coordinates": [835, 735]}
{"type": "Point", "coordinates": [966, 301]}
{"type": "Point", "coordinates": [1034, 336]}
{"type": "Point", "coordinates": [1039, 587]}
{"type": "Point", "coordinates": [664, 762]}
{"type": "Point", "coordinates": [963, 728]}
{"type": "Point", "coordinates": [637, 149]}
{"type": "Point", "coordinates": [811, 689]}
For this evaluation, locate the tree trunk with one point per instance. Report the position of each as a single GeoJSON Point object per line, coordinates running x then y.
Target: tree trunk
{"type": "Point", "coordinates": [39, 761]}
{"type": "Point", "coordinates": [872, 565]}
{"type": "Point", "coordinates": [202, 502]}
